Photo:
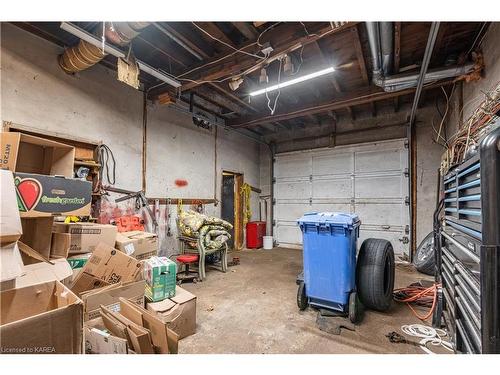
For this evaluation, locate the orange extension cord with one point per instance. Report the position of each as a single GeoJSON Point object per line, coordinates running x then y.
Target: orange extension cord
{"type": "Point", "coordinates": [419, 295]}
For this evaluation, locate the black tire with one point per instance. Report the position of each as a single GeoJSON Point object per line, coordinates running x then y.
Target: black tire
{"type": "Point", "coordinates": [301, 297]}
{"type": "Point", "coordinates": [355, 308]}
{"type": "Point", "coordinates": [425, 258]}
{"type": "Point", "coordinates": [375, 274]}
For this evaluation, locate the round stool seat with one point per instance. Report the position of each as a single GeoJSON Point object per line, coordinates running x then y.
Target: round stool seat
{"type": "Point", "coordinates": [187, 258]}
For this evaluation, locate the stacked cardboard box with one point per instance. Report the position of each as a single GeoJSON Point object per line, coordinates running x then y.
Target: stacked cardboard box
{"type": "Point", "coordinates": [160, 275]}
{"type": "Point", "coordinates": [137, 244]}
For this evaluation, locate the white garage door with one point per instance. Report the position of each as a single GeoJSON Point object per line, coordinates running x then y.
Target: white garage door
{"type": "Point", "coordinates": [368, 179]}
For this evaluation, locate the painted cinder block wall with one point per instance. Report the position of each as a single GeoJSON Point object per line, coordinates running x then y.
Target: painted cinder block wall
{"type": "Point", "coordinates": [93, 105]}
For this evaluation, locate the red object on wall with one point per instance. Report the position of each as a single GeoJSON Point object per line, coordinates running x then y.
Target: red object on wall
{"type": "Point", "coordinates": [256, 230]}
{"type": "Point", "coordinates": [129, 223]}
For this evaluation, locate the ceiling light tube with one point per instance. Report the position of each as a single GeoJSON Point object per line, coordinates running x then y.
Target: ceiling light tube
{"type": "Point", "coordinates": [92, 39]}
{"type": "Point", "coordinates": [293, 81]}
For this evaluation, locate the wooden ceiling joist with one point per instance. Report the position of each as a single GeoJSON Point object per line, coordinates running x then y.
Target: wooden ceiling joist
{"type": "Point", "coordinates": [362, 97]}
{"type": "Point", "coordinates": [230, 67]}
{"type": "Point", "coordinates": [247, 29]}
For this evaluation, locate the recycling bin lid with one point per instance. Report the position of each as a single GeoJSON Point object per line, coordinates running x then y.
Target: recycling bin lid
{"type": "Point", "coordinates": [335, 218]}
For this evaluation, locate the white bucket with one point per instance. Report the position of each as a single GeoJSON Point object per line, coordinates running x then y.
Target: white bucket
{"type": "Point", "coordinates": [268, 242]}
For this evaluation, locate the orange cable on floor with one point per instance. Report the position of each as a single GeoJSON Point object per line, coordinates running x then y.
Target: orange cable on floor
{"type": "Point", "coordinates": [419, 295]}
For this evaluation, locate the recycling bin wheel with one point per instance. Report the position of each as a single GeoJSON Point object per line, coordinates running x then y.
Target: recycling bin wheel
{"type": "Point", "coordinates": [355, 308]}
{"type": "Point", "coordinates": [301, 297]}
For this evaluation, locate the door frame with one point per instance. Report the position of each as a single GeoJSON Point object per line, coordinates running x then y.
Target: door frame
{"type": "Point", "coordinates": [238, 207]}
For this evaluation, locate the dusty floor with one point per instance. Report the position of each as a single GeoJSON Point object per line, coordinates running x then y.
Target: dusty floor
{"type": "Point", "coordinates": [252, 309]}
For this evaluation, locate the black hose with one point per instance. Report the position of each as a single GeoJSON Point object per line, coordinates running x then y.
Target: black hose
{"type": "Point", "coordinates": [104, 155]}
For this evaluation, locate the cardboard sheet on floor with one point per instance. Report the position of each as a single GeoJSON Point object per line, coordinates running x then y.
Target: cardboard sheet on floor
{"type": "Point", "coordinates": [139, 338]}
{"type": "Point", "coordinates": [98, 340]}
{"type": "Point", "coordinates": [165, 340]}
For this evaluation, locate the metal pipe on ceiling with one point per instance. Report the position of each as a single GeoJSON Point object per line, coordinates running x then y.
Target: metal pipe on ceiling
{"type": "Point", "coordinates": [381, 41]}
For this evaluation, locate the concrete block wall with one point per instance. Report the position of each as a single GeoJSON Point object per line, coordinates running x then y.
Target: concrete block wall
{"type": "Point", "coordinates": [93, 105]}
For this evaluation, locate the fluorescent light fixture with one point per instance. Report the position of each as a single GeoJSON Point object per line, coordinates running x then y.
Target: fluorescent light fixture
{"type": "Point", "coordinates": [92, 39]}
{"type": "Point", "coordinates": [294, 81]}
{"type": "Point", "coordinates": [157, 74]}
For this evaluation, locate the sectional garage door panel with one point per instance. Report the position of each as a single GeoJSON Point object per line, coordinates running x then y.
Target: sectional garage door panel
{"type": "Point", "coordinates": [368, 179]}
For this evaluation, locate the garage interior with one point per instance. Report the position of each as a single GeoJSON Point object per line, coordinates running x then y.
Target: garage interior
{"type": "Point", "coordinates": [205, 144]}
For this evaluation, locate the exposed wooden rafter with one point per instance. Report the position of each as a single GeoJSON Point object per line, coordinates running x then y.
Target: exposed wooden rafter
{"type": "Point", "coordinates": [359, 98]}
{"type": "Point", "coordinates": [230, 67]}
{"type": "Point", "coordinates": [247, 29]}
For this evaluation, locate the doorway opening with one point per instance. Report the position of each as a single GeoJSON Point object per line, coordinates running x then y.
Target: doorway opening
{"type": "Point", "coordinates": [232, 206]}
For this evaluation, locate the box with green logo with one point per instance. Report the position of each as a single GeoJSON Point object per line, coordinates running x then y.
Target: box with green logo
{"type": "Point", "coordinates": [160, 275]}
{"type": "Point", "coordinates": [40, 195]}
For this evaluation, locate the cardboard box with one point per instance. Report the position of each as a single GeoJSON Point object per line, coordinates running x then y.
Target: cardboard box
{"type": "Point", "coordinates": [98, 339]}
{"type": "Point", "coordinates": [43, 272]}
{"type": "Point", "coordinates": [37, 234]}
{"type": "Point", "coordinates": [179, 312]}
{"type": "Point", "coordinates": [77, 262]}
{"type": "Point", "coordinates": [42, 318]}
{"type": "Point", "coordinates": [109, 296]}
{"type": "Point", "coordinates": [39, 195]}
{"type": "Point", "coordinates": [78, 238]}
{"type": "Point", "coordinates": [29, 154]}
{"type": "Point", "coordinates": [10, 221]}
{"type": "Point", "coordinates": [137, 244]}
{"type": "Point", "coordinates": [11, 264]}
{"type": "Point", "coordinates": [160, 275]}
{"type": "Point", "coordinates": [109, 266]}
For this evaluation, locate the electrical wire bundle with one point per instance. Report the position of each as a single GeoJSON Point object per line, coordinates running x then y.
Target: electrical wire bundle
{"type": "Point", "coordinates": [105, 155]}
{"type": "Point", "coordinates": [418, 295]}
{"type": "Point", "coordinates": [470, 133]}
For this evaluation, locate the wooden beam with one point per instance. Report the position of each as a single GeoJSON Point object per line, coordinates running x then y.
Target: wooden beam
{"type": "Point", "coordinates": [359, 54]}
{"type": "Point", "coordinates": [351, 113]}
{"type": "Point", "coordinates": [250, 63]}
{"type": "Point", "coordinates": [219, 99]}
{"type": "Point", "coordinates": [259, 23]}
{"type": "Point", "coordinates": [358, 98]}
{"type": "Point", "coordinates": [215, 31]}
{"type": "Point", "coordinates": [374, 109]}
{"type": "Point", "coordinates": [247, 29]}
{"type": "Point", "coordinates": [185, 40]}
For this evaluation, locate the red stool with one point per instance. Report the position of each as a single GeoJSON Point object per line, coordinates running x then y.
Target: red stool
{"type": "Point", "coordinates": [187, 275]}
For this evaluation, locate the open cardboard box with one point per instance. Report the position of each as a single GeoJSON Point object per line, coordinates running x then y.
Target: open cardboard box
{"type": "Point", "coordinates": [42, 318]}
{"type": "Point", "coordinates": [179, 312]}
{"type": "Point", "coordinates": [105, 266]}
{"type": "Point", "coordinates": [30, 154]}
{"type": "Point", "coordinates": [37, 234]}
{"type": "Point", "coordinates": [98, 339]}
{"type": "Point", "coordinates": [109, 296]}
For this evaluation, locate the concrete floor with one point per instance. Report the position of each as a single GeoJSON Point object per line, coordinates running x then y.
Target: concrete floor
{"type": "Point", "coordinates": [252, 309]}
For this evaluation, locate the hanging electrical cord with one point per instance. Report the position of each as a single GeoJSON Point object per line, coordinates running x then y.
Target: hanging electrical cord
{"type": "Point", "coordinates": [226, 44]}
{"type": "Point", "coordinates": [259, 64]}
{"type": "Point", "coordinates": [265, 31]}
{"type": "Point", "coordinates": [418, 295]}
{"type": "Point", "coordinates": [273, 109]}
{"type": "Point", "coordinates": [105, 155]}
{"type": "Point", "coordinates": [428, 335]}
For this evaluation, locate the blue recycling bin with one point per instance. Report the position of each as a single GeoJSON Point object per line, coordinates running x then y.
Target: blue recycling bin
{"type": "Point", "coordinates": [329, 240]}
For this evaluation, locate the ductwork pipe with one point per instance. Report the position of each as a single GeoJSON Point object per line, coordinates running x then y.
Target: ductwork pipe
{"type": "Point", "coordinates": [84, 55]}
{"type": "Point", "coordinates": [381, 40]}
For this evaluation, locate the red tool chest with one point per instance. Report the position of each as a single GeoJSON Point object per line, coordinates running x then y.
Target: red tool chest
{"type": "Point", "coordinates": [256, 230]}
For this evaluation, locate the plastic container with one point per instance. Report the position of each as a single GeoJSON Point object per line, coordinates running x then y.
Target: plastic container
{"type": "Point", "coordinates": [268, 242]}
{"type": "Point", "coordinates": [329, 240]}
{"type": "Point", "coordinates": [255, 233]}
